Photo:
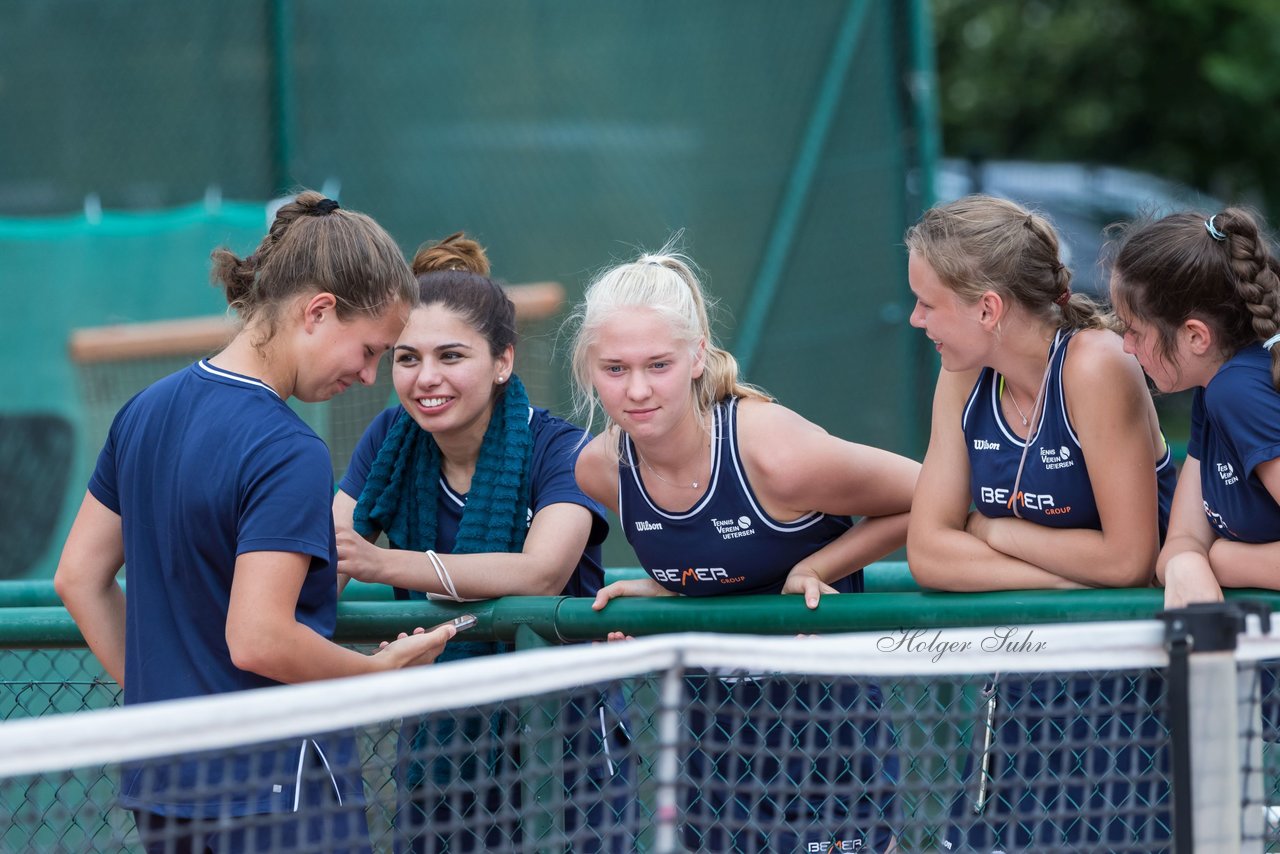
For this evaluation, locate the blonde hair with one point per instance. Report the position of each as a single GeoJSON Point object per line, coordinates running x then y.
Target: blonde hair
{"type": "Point", "coordinates": [663, 282]}
{"type": "Point", "coordinates": [982, 243]}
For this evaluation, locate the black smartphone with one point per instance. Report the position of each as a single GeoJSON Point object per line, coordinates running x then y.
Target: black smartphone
{"type": "Point", "coordinates": [462, 623]}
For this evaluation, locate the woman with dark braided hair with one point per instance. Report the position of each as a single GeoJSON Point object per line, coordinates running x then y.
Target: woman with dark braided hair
{"type": "Point", "coordinates": [475, 491]}
{"type": "Point", "coordinates": [1200, 300]}
{"type": "Point", "coordinates": [216, 496]}
{"type": "Point", "coordinates": [1045, 468]}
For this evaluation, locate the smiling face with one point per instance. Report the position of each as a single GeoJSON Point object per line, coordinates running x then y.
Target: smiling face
{"type": "Point", "coordinates": [954, 327]}
{"type": "Point", "coordinates": [445, 375]}
{"type": "Point", "coordinates": [643, 374]}
{"type": "Point", "coordinates": [341, 353]}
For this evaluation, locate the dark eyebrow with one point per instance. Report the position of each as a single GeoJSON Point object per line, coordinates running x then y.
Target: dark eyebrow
{"type": "Point", "coordinates": [457, 345]}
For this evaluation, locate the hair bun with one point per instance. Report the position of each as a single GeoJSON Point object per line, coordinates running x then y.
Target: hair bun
{"type": "Point", "coordinates": [455, 252]}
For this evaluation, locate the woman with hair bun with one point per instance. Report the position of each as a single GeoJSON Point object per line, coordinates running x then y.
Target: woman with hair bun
{"type": "Point", "coordinates": [1045, 468]}
{"type": "Point", "coordinates": [720, 491]}
{"type": "Point", "coordinates": [1200, 301]}
{"type": "Point", "coordinates": [474, 489]}
{"type": "Point", "coordinates": [215, 495]}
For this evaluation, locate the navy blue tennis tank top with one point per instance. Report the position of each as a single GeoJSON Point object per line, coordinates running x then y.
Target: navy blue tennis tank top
{"type": "Point", "coordinates": [1055, 489]}
{"type": "Point", "coordinates": [1235, 427]}
{"type": "Point", "coordinates": [726, 543]}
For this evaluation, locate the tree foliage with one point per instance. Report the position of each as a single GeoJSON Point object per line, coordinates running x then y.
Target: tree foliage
{"type": "Point", "coordinates": [1188, 89]}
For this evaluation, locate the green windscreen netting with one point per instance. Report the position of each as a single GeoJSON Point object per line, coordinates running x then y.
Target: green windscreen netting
{"type": "Point", "coordinates": [789, 142]}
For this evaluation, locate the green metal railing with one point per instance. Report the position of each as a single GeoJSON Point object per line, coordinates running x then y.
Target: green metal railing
{"type": "Point", "coordinates": [49, 671]}
{"type": "Point", "coordinates": [33, 617]}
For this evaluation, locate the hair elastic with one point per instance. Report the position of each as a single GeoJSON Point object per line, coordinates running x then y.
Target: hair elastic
{"type": "Point", "coordinates": [1063, 298]}
{"type": "Point", "coordinates": [1213, 232]}
{"type": "Point", "coordinates": [326, 206]}
{"type": "Point", "coordinates": [1272, 341]}
{"type": "Point", "coordinates": [446, 580]}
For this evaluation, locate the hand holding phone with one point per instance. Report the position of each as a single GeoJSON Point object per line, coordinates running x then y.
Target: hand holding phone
{"type": "Point", "coordinates": [459, 624]}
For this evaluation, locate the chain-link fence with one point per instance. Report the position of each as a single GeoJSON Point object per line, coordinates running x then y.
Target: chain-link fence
{"type": "Point", "coordinates": [811, 744]}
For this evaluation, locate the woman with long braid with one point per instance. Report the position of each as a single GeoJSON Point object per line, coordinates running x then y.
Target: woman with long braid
{"type": "Point", "coordinates": [1200, 300]}
{"type": "Point", "coordinates": [475, 491]}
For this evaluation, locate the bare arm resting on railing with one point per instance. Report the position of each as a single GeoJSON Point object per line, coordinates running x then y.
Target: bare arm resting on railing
{"type": "Point", "coordinates": [552, 548]}
{"type": "Point", "coordinates": [795, 468]}
{"type": "Point", "coordinates": [1111, 411]}
{"type": "Point", "coordinates": [1184, 567]}
{"type": "Point", "coordinates": [942, 552]}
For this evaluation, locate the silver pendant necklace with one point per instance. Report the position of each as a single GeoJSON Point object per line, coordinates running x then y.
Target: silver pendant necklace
{"type": "Point", "coordinates": [654, 472]}
{"type": "Point", "coordinates": [1026, 422]}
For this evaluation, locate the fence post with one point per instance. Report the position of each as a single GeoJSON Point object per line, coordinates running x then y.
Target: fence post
{"type": "Point", "coordinates": [667, 772]}
{"type": "Point", "coordinates": [1204, 726]}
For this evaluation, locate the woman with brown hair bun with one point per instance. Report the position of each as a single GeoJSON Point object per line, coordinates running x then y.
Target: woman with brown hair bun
{"type": "Point", "coordinates": [475, 491]}
{"type": "Point", "coordinates": [216, 496]}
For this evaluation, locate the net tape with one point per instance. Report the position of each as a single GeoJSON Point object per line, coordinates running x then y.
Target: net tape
{"type": "Point", "coordinates": [209, 723]}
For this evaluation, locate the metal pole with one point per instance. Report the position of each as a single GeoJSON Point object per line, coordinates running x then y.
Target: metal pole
{"type": "Point", "coordinates": [667, 810]}
{"type": "Point", "coordinates": [1204, 726]}
{"type": "Point", "coordinates": [282, 102]}
{"type": "Point", "coordinates": [801, 181]}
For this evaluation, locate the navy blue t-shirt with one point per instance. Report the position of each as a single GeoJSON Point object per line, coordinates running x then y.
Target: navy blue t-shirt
{"type": "Point", "coordinates": [556, 444]}
{"type": "Point", "coordinates": [1235, 426]}
{"type": "Point", "coordinates": [726, 543]}
{"type": "Point", "coordinates": [203, 466]}
{"type": "Point", "coordinates": [1055, 489]}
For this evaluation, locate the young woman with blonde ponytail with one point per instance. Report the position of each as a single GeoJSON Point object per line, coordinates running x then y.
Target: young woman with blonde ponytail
{"type": "Point", "coordinates": [706, 471]}
{"type": "Point", "coordinates": [722, 491]}
{"type": "Point", "coordinates": [1200, 300]}
{"type": "Point", "coordinates": [1045, 469]}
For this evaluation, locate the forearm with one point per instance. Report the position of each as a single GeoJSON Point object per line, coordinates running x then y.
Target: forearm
{"type": "Point", "coordinates": [474, 576]}
{"type": "Point", "coordinates": [1083, 555]}
{"type": "Point", "coordinates": [868, 541]}
{"type": "Point", "coordinates": [957, 561]}
{"type": "Point", "coordinates": [1237, 564]}
{"type": "Point", "coordinates": [99, 613]}
{"type": "Point", "coordinates": [291, 652]}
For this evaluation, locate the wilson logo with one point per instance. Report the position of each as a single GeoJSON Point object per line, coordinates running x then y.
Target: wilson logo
{"type": "Point", "coordinates": [648, 526]}
{"type": "Point", "coordinates": [984, 445]}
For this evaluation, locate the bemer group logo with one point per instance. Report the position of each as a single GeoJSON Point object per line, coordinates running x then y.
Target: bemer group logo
{"type": "Point", "coordinates": [694, 573]}
{"type": "Point", "coordinates": [833, 845]}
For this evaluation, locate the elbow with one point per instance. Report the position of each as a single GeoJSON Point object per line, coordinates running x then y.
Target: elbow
{"type": "Point", "coordinates": [253, 655]}
{"type": "Point", "coordinates": [1134, 574]}
{"type": "Point", "coordinates": [1138, 568]}
{"type": "Point", "coordinates": [552, 584]}
{"type": "Point", "coordinates": [63, 583]}
{"type": "Point", "coordinates": [927, 567]}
